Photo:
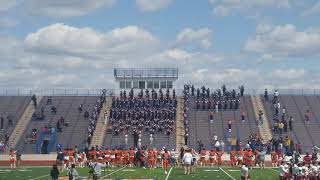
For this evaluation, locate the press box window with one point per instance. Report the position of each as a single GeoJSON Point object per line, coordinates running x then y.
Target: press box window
{"type": "Point", "coordinates": [169, 84]}
{"type": "Point", "coordinates": [122, 85]}
{"type": "Point", "coordinates": [163, 84]}
{"type": "Point", "coordinates": [128, 85]}
{"type": "Point", "coordinates": [135, 84]}
{"type": "Point", "coordinates": [156, 84]}
{"type": "Point", "coordinates": [149, 84]}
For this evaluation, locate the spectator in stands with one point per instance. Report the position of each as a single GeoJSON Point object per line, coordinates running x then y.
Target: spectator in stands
{"type": "Point", "coordinates": [86, 114]}
{"type": "Point", "coordinates": [241, 90]}
{"type": "Point", "coordinates": [266, 96]}
{"type": "Point", "coordinates": [229, 126]}
{"type": "Point", "coordinates": [260, 116]}
{"type": "Point", "coordinates": [42, 111]}
{"type": "Point", "coordinates": [211, 116]}
{"type": "Point", "coordinates": [6, 138]}
{"type": "Point", "coordinates": [34, 100]}
{"type": "Point", "coordinates": [10, 123]}
{"type": "Point", "coordinates": [280, 127]}
{"type": "Point", "coordinates": [53, 110]}
{"type": "Point", "coordinates": [58, 126]}
{"type": "Point", "coordinates": [291, 123]}
{"type": "Point", "coordinates": [49, 101]}
{"type": "Point", "coordinates": [61, 121]}
{"type": "Point", "coordinates": [276, 94]}
{"type": "Point", "coordinates": [1, 123]}
{"type": "Point", "coordinates": [307, 116]}
{"type": "Point", "coordinates": [243, 115]}
{"type": "Point", "coordinates": [186, 136]}
{"type": "Point", "coordinates": [80, 108]}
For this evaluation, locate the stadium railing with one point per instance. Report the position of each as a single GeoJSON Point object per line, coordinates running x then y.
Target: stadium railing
{"type": "Point", "coordinates": [55, 92]}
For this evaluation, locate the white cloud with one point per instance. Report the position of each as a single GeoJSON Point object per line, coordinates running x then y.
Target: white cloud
{"type": "Point", "coordinates": [152, 5]}
{"type": "Point", "coordinates": [69, 8]}
{"type": "Point", "coordinates": [284, 41]}
{"type": "Point", "coordinates": [288, 74]}
{"type": "Point", "coordinates": [227, 7]}
{"type": "Point", "coordinates": [7, 4]}
{"type": "Point", "coordinates": [86, 42]}
{"type": "Point", "coordinates": [313, 10]}
{"type": "Point", "coordinates": [201, 37]}
{"type": "Point", "coordinates": [61, 56]}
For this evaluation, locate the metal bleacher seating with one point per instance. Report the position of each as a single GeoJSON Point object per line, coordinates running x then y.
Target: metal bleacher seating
{"type": "Point", "coordinates": [12, 106]}
{"type": "Point", "coordinates": [67, 107]}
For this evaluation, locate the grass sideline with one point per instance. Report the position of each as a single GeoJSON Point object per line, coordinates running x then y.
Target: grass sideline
{"type": "Point", "coordinates": [227, 173]}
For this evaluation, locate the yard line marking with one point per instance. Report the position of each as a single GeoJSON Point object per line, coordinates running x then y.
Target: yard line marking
{"type": "Point", "coordinates": [227, 174]}
{"type": "Point", "coordinates": [39, 177]}
{"type": "Point", "coordinates": [113, 172]}
{"type": "Point", "coordinates": [129, 170]}
{"type": "Point", "coordinates": [169, 173]}
{"type": "Point", "coordinates": [209, 170]}
{"type": "Point", "coordinates": [273, 170]}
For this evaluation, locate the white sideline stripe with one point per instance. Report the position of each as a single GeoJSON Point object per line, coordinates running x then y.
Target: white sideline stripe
{"type": "Point", "coordinates": [169, 173]}
{"type": "Point", "coordinates": [113, 172]}
{"type": "Point", "coordinates": [274, 170]}
{"type": "Point", "coordinates": [39, 177]}
{"type": "Point", "coordinates": [227, 174]}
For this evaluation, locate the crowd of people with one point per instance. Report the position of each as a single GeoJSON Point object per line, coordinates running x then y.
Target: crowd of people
{"type": "Point", "coordinates": [148, 112]}
{"type": "Point", "coordinates": [220, 99]}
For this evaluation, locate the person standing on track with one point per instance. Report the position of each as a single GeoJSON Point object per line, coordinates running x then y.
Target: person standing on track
{"type": "Point", "coordinates": [18, 157]}
{"type": "Point", "coordinates": [12, 156]}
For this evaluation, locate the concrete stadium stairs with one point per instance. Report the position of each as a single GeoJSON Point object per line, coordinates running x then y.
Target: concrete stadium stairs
{"type": "Point", "coordinates": [66, 107]}
{"type": "Point", "coordinates": [100, 131]}
{"type": "Point", "coordinates": [179, 124]}
{"type": "Point", "coordinates": [17, 106]}
{"type": "Point", "coordinates": [264, 128]}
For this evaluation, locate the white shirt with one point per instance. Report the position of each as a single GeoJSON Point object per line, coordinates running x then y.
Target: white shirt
{"type": "Point", "coordinates": [217, 144]}
{"type": "Point", "coordinates": [215, 137]}
{"type": "Point", "coordinates": [187, 158]}
{"type": "Point", "coordinates": [244, 171]}
{"type": "Point", "coordinates": [282, 170]}
{"type": "Point", "coordinates": [276, 93]}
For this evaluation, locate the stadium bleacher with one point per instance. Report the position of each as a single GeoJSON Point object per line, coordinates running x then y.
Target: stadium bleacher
{"type": "Point", "coordinates": [67, 107]}
{"type": "Point", "coordinates": [11, 107]}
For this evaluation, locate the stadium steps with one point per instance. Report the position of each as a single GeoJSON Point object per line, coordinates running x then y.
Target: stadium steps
{"type": "Point", "coordinates": [179, 124]}
{"type": "Point", "coordinates": [100, 131]}
{"type": "Point", "coordinates": [22, 123]}
{"type": "Point", "coordinates": [264, 129]}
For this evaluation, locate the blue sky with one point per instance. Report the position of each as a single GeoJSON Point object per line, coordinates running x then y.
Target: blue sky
{"type": "Point", "coordinates": [77, 43]}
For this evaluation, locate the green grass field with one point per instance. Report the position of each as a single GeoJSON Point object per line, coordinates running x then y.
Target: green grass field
{"type": "Point", "coordinates": [42, 173]}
